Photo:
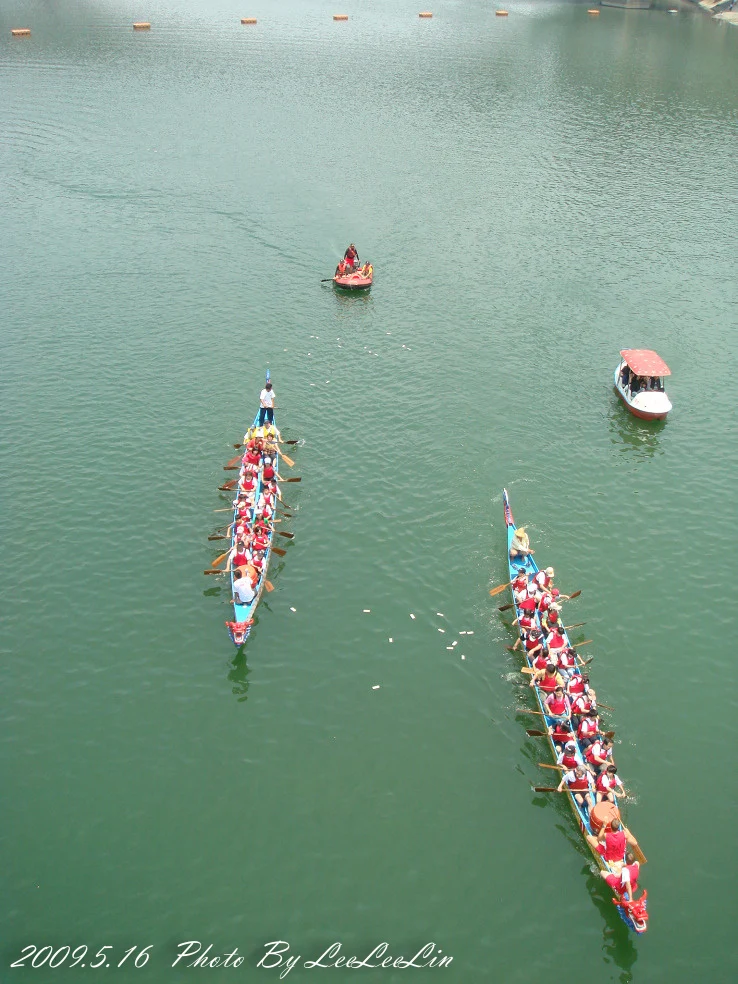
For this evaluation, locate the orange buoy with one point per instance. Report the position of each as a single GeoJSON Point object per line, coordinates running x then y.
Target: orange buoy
{"type": "Point", "coordinates": [248, 20]}
{"type": "Point", "coordinates": [340, 17]}
{"type": "Point", "coordinates": [425, 13]}
{"type": "Point", "coordinates": [21, 32]}
{"type": "Point", "coordinates": [142, 26]}
{"type": "Point", "coordinates": [593, 13]}
{"type": "Point", "coordinates": [501, 13]}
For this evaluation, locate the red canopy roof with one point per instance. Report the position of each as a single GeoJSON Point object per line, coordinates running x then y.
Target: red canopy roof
{"type": "Point", "coordinates": [644, 362]}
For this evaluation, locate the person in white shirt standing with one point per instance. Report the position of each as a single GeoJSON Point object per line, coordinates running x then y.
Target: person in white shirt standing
{"type": "Point", "coordinates": [266, 407]}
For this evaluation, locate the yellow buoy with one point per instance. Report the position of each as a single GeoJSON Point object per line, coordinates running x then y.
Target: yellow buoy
{"type": "Point", "coordinates": [20, 32]}
{"type": "Point", "coordinates": [340, 17]}
{"type": "Point", "coordinates": [425, 13]}
{"type": "Point", "coordinates": [501, 13]}
{"type": "Point", "coordinates": [593, 13]}
{"type": "Point", "coordinates": [248, 20]}
{"type": "Point", "coordinates": [142, 26]}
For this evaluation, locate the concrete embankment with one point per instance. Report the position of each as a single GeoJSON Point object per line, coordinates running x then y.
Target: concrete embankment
{"type": "Point", "coordinates": [726, 10]}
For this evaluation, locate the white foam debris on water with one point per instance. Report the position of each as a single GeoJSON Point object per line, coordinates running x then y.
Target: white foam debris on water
{"type": "Point", "coordinates": [293, 609]}
{"type": "Point", "coordinates": [463, 656]}
{"type": "Point", "coordinates": [366, 610]}
{"type": "Point", "coordinates": [375, 687]}
{"type": "Point", "coordinates": [411, 615]}
{"type": "Point", "coordinates": [469, 633]}
{"type": "Point", "coordinates": [440, 614]}
{"type": "Point", "coordinates": [441, 630]}
{"type": "Point", "coordinates": [449, 647]}
{"type": "Point", "coordinates": [463, 632]}
{"type": "Point", "coordinates": [390, 639]}
{"type": "Point", "coordinates": [455, 642]}
{"type": "Point", "coordinates": [312, 384]}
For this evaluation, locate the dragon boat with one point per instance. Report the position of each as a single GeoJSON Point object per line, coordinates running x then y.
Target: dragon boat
{"type": "Point", "coordinates": [353, 281]}
{"type": "Point", "coordinates": [633, 913]}
{"type": "Point", "coordinates": [243, 615]}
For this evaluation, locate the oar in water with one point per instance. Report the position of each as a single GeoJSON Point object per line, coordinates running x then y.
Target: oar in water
{"type": "Point", "coordinates": [287, 460]}
{"type": "Point", "coordinates": [529, 732]}
{"type": "Point", "coordinates": [279, 551]}
{"type": "Point", "coordinates": [290, 536]}
{"type": "Point", "coordinates": [545, 765]}
{"type": "Point", "coordinates": [228, 486]}
{"type": "Point", "coordinates": [269, 586]}
{"type": "Point", "coordinates": [220, 571]}
{"type": "Point", "coordinates": [577, 625]}
{"type": "Point", "coordinates": [586, 642]}
{"type": "Point", "coordinates": [546, 789]}
{"type": "Point", "coordinates": [499, 589]}
{"type": "Point", "coordinates": [292, 479]}
{"type": "Point", "coordinates": [231, 468]}
{"type": "Point", "coordinates": [233, 461]}
{"type": "Point", "coordinates": [220, 536]}
{"type": "Point", "coordinates": [327, 280]}
{"type": "Point", "coordinates": [217, 561]}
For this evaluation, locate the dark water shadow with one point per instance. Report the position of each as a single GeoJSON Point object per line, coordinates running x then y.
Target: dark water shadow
{"type": "Point", "coordinates": [238, 674]}
{"type": "Point", "coordinates": [631, 436]}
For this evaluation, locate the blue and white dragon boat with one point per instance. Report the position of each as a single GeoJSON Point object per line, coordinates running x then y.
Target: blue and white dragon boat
{"type": "Point", "coordinates": [633, 913]}
{"type": "Point", "coordinates": [243, 615]}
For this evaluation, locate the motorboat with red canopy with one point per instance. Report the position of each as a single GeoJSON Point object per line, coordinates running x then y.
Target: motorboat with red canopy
{"type": "Point", "coordinates": [639, 381]}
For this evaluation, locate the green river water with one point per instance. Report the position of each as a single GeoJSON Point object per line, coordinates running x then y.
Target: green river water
{"type": "Point", "coordinates": [535, 193]}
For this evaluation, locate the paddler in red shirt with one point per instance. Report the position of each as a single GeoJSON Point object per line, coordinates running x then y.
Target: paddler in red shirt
{"type": "Point", "coordinates": [239, 556]}
{"type": "Point", "coordinates": [606, 783]}
{"type": "Point", "coordinates": [341, 269]}
{"type": "Point", "coordinates": [568, 757]}
{"type": "Point", "coordinates": [351, 257]}
{"type": "Point", "coordinates": [625, 882]}
{"type": "Point", "coordinates": [578, 783]}
{"type": "Point", "coordinates": [611, 842]}
{"type": "Point", "coordinates": [548, 681]}
{"type": "Point", "coordinates": [560, 736]}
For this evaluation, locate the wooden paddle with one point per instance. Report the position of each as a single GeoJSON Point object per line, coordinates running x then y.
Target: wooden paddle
{"type": "Point", "coordinates": [221, 571]}
{"type": "Point", "coordinates": [577, 625]}
{"type": "Point", "coordinates": [586, 642]}
{"type": "Point", "coordinates": [269, 586]}
{"type": "Point", "coordinates": [499, 589]}
{"type": "Point", "coordinates": [639, 855]}
{"type": "Point", "coordinates": [545, 765]}
{"type": "Point", "coordinates": [231, 468]}
{"type": "Point", "coordinates": [279, 551]}
{"type": "Point", "coordinates": [287, 460]}
{"type": "Point", "coordinates": [550, 789]}
{"type": "Point", "coordinates": [327, 280]}
{"type": "Point", "coordinates": [216, 562]}
{"type": "Point", "coordinates": [228, 486]}
{"type": "Point", "coordinates": [292, 479]}
{"type": "Point", "coordinates": [234, 461]}
{"type": "Point", "coordinates": [219, 536]}
{"type": "Point", "coordinates": [290, 536]}
{"type": "Point", "coordinates": [531, 734]}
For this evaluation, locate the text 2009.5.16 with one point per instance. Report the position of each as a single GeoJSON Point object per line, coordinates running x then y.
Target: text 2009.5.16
{"type": "Point", "coordinates": [47, 956]}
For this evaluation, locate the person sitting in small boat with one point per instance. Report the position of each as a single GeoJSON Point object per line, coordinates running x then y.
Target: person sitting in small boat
{"type": "Point", "coordinates": [257, 560]}
{"type": "Point", "coordinates": [579, 784]}
{"type": "Point", "coordinates": [261, 540]}
{"type": "Point", "coordinates": [520, 586]}
{"type": "Point", "coordinates": [351, 257]}
{"type": "Point", "coordinates": [520, 544]}
{"type": "Point", "coordinates": [610, 842]}
{"type": "Point", "coordinates": [579, 684]}
{"type": "Point", "coordinates": [607, 784]}
{"type": "Point", "coordinates": [548, 680]}
{"type": "Point", "coordinates": [544, 580]}
{"type": "Point", "coordinates": [252, 456]}
{"type": "Point", "coordinates": [581, 706]}
{"type": "Point", "coordinates": [558, 707]}
{"type": "Point", "coordinates": [625, 376]}
{"type": "Point", "coordinates": [243, 590]}
{"type": "Point", "coordinates": [589, 729]}
{"type": "Point", "coordinates": [268, 473]}
{"type": "Point", "coordinates": [247, 483]}
{"type": "Point", "coordinates": [342, 269]}
{"type": "Point", "coordinates": [560, 734]}
{"type": "Point", "coordinates": [550, 618]}
{"type": "Point", "coordinates": [625, 881]}
{"type": "Point", "coordinates": [367, 271]}
{"type": "Point", "coordinates": [239, 556]}
{"type": "Point", "coordinates": [567, 756]}
{"type": "Point", "coordinates": [533, 642]}
{"type": "Point", "coordinates": [555, 643]}
{"type": "Point", "coordinates": [599, 754]}
{"type": "Point", "coordinates": [636, 384]}
{"type": "Point", "coordinates": [567, 664]}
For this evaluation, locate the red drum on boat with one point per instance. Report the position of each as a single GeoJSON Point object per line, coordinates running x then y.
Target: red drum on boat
{"type": "Point", "coordinates": [639, 381]}
{"type": "Point", "coordinates": [353, 281]}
